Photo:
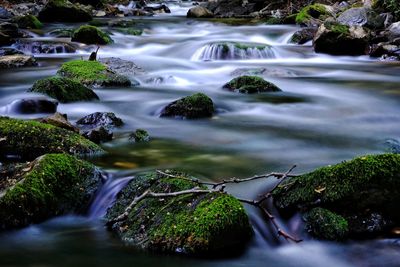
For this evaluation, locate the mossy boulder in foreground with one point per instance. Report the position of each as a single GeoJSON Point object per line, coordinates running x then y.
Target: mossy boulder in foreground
{"type": "Point", "coordinates": [51, 185]}
{"type": "Point", "coordinates": [30, 139]}
{"type": "Point", "coordinates": [91, 35]}
{"type": "Point", "coordinates": [92, 73]}
{"type": "Point", "coordinates": [64, 11]}
{"type": "Point", "coordinates": [212, 223]}
{"type": "Point", "coordinates": [195, 106]}
{"type": "Point", "coordinates": [251, 85]}
{"type": "Point", "coordinates": [63, 89]}
{"type": "Point", "coordinates": [359, 191]}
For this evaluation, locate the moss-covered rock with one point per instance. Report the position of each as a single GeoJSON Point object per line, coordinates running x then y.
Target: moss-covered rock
{"type": "Point", "coordinates": [195, 106]}
{"type": "Point", "coordinates": [352, 189]}
{"type": "Point", "coordinates": [312, 15]}
{"type": "Point", "coordinates": [28, 22]}
{"type": "Point", "coordinates": [193, 224]}
{"type": "Point", "coordinates": [91, 35]}
{"type": "Point", "coordinates": [325, 224]}
{"type": "Point", "coordinates": [51, 185]}
{"type": "Point", "coordinates": [250, 85]}
{"type": "Point", "coordinates": [140, 135]}
{"type": "Point", "coordinates": [30, 139]}
{"type": "Point", "coordinates": [92, 73]}
{"type": "Point", "coordinates": [337, 39]}
{"type": "Point", "coordinates": [63, 89]}
{"type": "Point", "coordinates": [64, 11]}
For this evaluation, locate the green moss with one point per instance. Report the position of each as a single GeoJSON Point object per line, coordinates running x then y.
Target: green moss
{"type": "Point", "coordinates": [64, 90]}
{"type": "Point", "coordinates": [249, 46]}
{"type": "Point", "coordinates": [250, 84]}
{"type": "Point", "coordinates": [311, 11]}
{"type": "Point", "coordinates": [28, 22]}
{"type": "Point", "coordinates": [92, 73]}
{"type": "Point", "coordinates": [338, 28]}
{"type": "Point", "coordinates": [88, 34]}
{"type": "Point", "coordinates": [325, 224]}
{"type": "Point", "coordinates": [366, 183]}
{"type": "Point", "coordinates": [54, 184]}
{"type": "Point", "coordinates": [140, 135]}
{"type": "Point", "coordinates": [30, 139]}
{"type": "Point", "coordinates": [194, 224]}
{"type": "Point", "coordinates": [195, 106]}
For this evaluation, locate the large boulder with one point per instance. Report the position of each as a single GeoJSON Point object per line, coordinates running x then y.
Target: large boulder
{"type": "Point", "coordinates": [361, 16]}
{"type": "Point", "coordinates": [30, 139]}
{"type": "Point", "coordinates": [64, 11]}
{"type": "Point", "coordinates": [338, 39]}
{"type": "Point", "coordinates": [31, 106]}
{"type": "Point", "coordinates": [250, 85]}
{"type": "Point", "coordinates": [92, 73]}
{"type": "Point", "coordinates": [361, 197]}
{"type": "Point", "coordinates": [63, 89]}
{"type": "Point", "coordinates": [17, 61]}
{"type": "Point", "coordinates": [233, 8]}
{"type": "Point", "coordinates": [91, 35]}
{"type": "Point", "coordinates": [51, 185]}
{"type": "Point", "coordinates": [201, 224]}
{"type": "Point", "coordinates": [313, 15]}
{"type": "Point", "coordinates": [199, 12]}
{"type": "Point", "coordinates": [195, 106]}
{"type": "Point", "coordinates": [28, 22]}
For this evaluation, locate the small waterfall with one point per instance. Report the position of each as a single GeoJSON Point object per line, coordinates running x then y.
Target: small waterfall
{"type": "Point", "coordinates": [232, 51]}
{"type": "Point", "coordinates": [106, 196]}
{"type": "Point", "coordinates": [45, 47]}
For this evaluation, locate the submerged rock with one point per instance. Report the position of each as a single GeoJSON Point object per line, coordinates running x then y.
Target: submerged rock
{"type": "Point", "coordinates": [30, 139]}
{"type": "Point", "coordinates": [64, 11]}
{"type": "Point", "coordinates": [17, 61]}
{"type": "Point", "coordinates": [205, 224]}
{"type": "Point", "coordinates": [250, 85]}
{"type": "Point", "coordinates": [100, 119]}
{"type": "Point", "coordinates": [199, 12]}
{"type": "Point", "coordinates": [61, 121]}
{"type": "Point", "coordinates": [63, 89]}
{"type": "Point", "coordinates": [354, 190]}
{"type": "Point", "coordinates": [337, 39]}
{"type": "Point", "coordinates": [92, 73]}
{"type": "Point", "coordinates": [98, 135]}
{"type": "Point", "coordinates": [91, 35]}
{"type": "Point", "coordinates": [140, 135]}
{"type": "Point", "coordinates": [303, 36]}
{"type": "Point", "coordinates": [28, 22]}
{"type": "Point", "coordinates": [51, 185]}
{"type": "Point", "coordinates": [195, 106]}
{"type": "Point", "coordinates": [32, 106]}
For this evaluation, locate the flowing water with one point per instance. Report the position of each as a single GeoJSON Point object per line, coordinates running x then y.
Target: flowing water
{"type": "Point", "coordinates": [331, 109]}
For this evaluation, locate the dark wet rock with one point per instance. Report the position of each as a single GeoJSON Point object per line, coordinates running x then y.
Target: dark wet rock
{"type": "Point", "coordinates": [229, 8]}
{"type": "Point", "coordinates": [122, 67]}
{"type": "Point", "coordinates": [140, 135]}
{"type": "Point", "coordinates": [32, 106]}
{"type": "Point", "coordinates": [17, 61]}
{"type": "Point", "coordinates": [313, 15]}
{"type": "Point", "coordinates": [61, 121]}
{"type": "Point", "coordinates": [100, 119]}
{"type": "Point", "coordinates": [51, 185]}
{"type": "Point", "coordinates": [63, 89]}
{"type": "Point", "coordinates": [361, 16]}
{"type": "Point", "coordinates": [93, 3]}
{"type": "Point", "coordinates": [206, 224]}
{"type": "Point", "coordinates": [98, 135]}
{"type": "Point", "coordinates": [393, 31]}
{"type": "Point", "coordinates": [4, 13]}
{"type": "Point", "coordinates": [88, 34]}
{"type": "Point", "coordinates": [337, 39]}
{"type": "Point", "coordinates": [28, 22]}
{"type": "Point", "coordinates": [30, 139]}
{"type": "Point", "coordinates": [364, 188]}
{"type": "Point", "coordinates": [303, 36]}
{"type": "Point", "coordinates": [64, 11]}
{"type": "Point", "coordinates": [157, 9]}
{"type": "Point", "coordinates": [8, 33]}
{"type": "Point", "coordinates": [195, 106]}
{"type": "Point", "coordinates": [9, 51]}
{"type": "Point", "coordinates": [199, 12]}
{"type": "Point", "coordinates": [384, 50]}
{"type": "Point", "coordinates": [274, 72]}
{"type": "Point", "coordinates": [392, 146]}
{"type": "Point", "coordinates": [44, 47]}
{"type": "Point", "coordinates": [250, 85]}
{"type": "Point", "coordinates": [93, 73]}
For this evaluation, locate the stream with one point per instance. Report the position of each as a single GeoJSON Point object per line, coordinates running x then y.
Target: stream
{"type": "Point", "coordinates": [330, 109]}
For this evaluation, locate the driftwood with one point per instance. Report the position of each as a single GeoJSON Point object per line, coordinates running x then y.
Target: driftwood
{"type": "Point", "coordinates": [217, 187]}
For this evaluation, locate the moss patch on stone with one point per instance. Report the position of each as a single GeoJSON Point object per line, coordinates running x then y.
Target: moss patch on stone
{"type": "Point", "coordinates": [52, 185]}
{"type": "Point", "coordinates": [324, 224]}
{"type": "Point", "coordinates": [311, 11]}
{"type": "Point", "coordinates": [195, 106]}
{"type": "Point", "coordinates": [92, 73]}
{"type": "Point", "coordinates": [193, 224]}
{"type": "Point", "coordinates": [140, 135]}
{"type": "Point", "coordinates": [28, 22]}
{"type": "Point", "coordinates": [88, 34]}
{"type": "Point", "coordinates": [250, 85]}
{"type": "Point", "coordinates": [63, 89]}
{"type": "Point", "coordinates": [30, 139]}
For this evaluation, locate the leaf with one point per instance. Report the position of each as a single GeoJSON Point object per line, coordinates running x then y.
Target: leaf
{"type": "Point", "coordinates": [319, 190]}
